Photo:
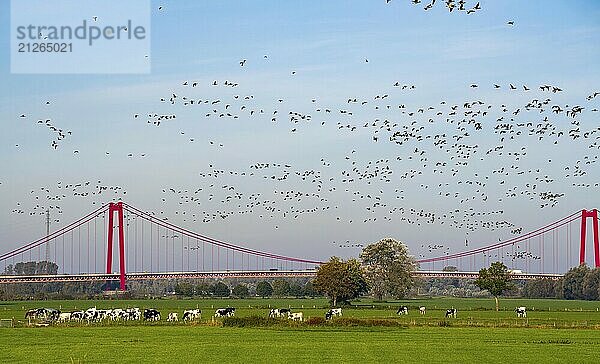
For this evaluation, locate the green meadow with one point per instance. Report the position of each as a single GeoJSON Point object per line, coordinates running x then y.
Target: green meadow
{"type": "Point", "coordinates": [554, 331]}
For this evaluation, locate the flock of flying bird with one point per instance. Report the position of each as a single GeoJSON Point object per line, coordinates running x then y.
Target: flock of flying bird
{"type": "Point", "coordinates": [469, 154]}
{"type": "Point", "coordinates": [448, 141]}
{"type": "Point", "coordinates": [451, 5]}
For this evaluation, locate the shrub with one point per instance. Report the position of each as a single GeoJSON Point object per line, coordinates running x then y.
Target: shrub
{"type": "Point", "coordinates": [251, 321]}
{"type": "Point", "coordinates": [316, 321]}
{"type": "Point", "coordinates": [350, 321]}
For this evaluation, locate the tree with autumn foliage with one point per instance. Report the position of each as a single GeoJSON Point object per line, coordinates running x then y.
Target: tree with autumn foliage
{"type": "Point", "coordinates": [340, 280]}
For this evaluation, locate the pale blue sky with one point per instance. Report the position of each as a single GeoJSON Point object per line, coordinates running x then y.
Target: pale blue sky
{"type": "Point", "coordinates": [326, 44]}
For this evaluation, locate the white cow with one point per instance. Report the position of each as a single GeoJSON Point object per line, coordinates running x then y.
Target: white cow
{"type": "Point", "coordinates": [64, 317]}
{"type": "Point", "coordinates": [189, 315]}
{"type": "Point", "coordinates": [422, 310]}
{"type": "Point", "coordinates": [521, 311]}
{"type": "Point", "coordinates": [172, 317]}
{"type": "Point", "coordinates": [296, 316]}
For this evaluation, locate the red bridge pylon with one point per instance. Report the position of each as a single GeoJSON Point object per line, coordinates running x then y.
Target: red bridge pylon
{"type": "Point", "coordinates": [584, 216]}
{"type": "Point", "coordinates": [118, 208]}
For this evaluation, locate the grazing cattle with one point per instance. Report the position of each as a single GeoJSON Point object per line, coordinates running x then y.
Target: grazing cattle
{"type": "Point", "coordinates": [422, 310]}
{"type": "Point", "coordinates": [95, 315]}
{"type": "Point", "coordinates": [451, 312]}
{"type": "Point", "coordinates": [151, 314]}
{"type": "Point", "coordinates": [49, 314]}
{"type": "Point", "coordinates": [77, 316]}
{"type": "Point", "coordinates": [117, 314]}
{"type": "Point", "coordinates": [64, 317]}
{"type": "Point", "coordinates": [189, 315]}
{"type": "Point", "coordinates": [225, 312]}
{"type": "Point", "coordinates": [333, 312]}
{"type": "Point", "coordinates": [279, 312]}
{"type": "Point", "coordinates": [336, 311]}
{"type": "Point", "coordinates": [521, 311]}
{"type": "Point", "coordinates": [402, 310]}
{"type": "Point", "coordinates": [43, 314]}
{"type": "Point", "coordinates": [296, 316]}
{"type": "Point", "coordinates": [173, 317]}
{"type": "Point", "coordinates": [52, 314]}
{"type": "Point", "coordinates": [133, 314]}
{"type": "Point", "coordinates": [100, 315]}
{"type": "Point", "coordinates": [90, 314]}
{"type": "Point", "coordinates": [274, 313]}
{"type": "Point", "coordinates": [284, 312]}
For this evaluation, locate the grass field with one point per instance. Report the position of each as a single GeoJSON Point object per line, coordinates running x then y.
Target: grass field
{"type": "Point", "coordinates": [555, 331]}
{"type": "Point", "coordinates": [202, 344]}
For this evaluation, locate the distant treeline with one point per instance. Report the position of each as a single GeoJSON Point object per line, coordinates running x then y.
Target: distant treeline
{"type": "Point", "coordinates": [31, 268]}
{"type": "Point", "coordinates": [580, 283]}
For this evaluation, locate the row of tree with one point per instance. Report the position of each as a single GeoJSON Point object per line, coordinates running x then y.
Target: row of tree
{"type": "Point", "coordinates": [31, 268]}
{"type": "Point", "coordinates": [580, 283]}
{"type": "Point", "coordinates": [278, 288]}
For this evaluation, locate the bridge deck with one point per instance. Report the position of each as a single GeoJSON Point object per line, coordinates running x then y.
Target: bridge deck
{"type": "Point", "coordinates": [236, 274]}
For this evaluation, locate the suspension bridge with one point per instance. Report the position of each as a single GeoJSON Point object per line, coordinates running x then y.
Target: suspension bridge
{"type": "Point", "coordinates": [153, 248]}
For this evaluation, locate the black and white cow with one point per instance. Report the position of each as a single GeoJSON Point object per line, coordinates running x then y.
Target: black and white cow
{"type": "Point", "coordinates": [151, 314]}
{"type": "Point", "coordinates": [117, 314]}
{"type": "Point", "coordinates": [280, 312]}
{"type": "Point", "coordinates": [274, 312]}
{"type": "Point", "coordinates": [77, 316]}
{"type": "Point", "coordinates": [422, 310]}
{"type": "Point", "coordinates": [133, 314]}
{"type": "Point", "coordinates": [296, 316]}
{"type": "Point", "coordinates": [284, 312]}
{"type": "Point", "coordinates": [90, 314]}
{"type": "Point", "coordinates": [451, 312]}
{"type": "Point", "coordinates": [52, 314]}
{"type": "Point", "coordinates": [101, 315]}
{"type": "Point", "coordinates": [172, 317]}
{"type": "Point", "coordinates": [333, 312]}
{"type": "Point", "coordinates": [189, 315]}
{"type": "Point", "coordinates": [49, 314]}
{"type": "Point", "coordinates": [336, 311]}
{"type": "Point", "coordinates": [225, 312]}
{"type": "Point", "coordinates": [402, 310]}
{"type": "Point", "coordinates": [521, 311]}
{"type": "Point", "coordinates": [40, 313]}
